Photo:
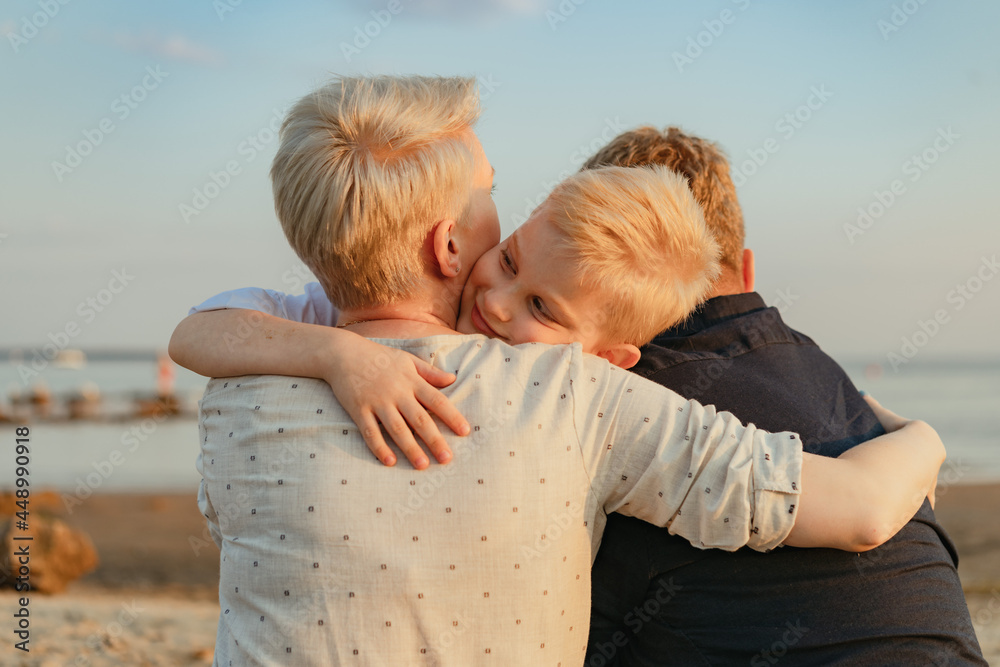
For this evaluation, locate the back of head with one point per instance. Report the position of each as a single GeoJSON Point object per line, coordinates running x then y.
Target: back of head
{"type": "Point", "coordinates": [707, 172]}
{"type": "Point", "coordinates": [641, 242]}
{"type": "Point", "coordinates": [364, 168]}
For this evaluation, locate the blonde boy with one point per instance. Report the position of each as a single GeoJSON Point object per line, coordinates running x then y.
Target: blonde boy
{"type": "Point", "coordinates": [611, 258]}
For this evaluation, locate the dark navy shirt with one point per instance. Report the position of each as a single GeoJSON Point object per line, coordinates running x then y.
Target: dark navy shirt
{"type": "Point", "coordinates": [657, 600]}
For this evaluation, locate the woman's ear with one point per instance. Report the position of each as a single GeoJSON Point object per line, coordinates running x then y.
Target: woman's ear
{"type": "Point", "coordinates": [445, 248]}
{"type": "Point", "coordinates": [622, 355]}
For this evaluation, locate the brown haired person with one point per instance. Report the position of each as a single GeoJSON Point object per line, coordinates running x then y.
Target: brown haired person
{"type": "Point", "coordinates": [659, 601]}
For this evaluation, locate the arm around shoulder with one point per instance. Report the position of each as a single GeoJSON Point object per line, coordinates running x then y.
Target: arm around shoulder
{"type": "Point", "coordinates": [863, 498]}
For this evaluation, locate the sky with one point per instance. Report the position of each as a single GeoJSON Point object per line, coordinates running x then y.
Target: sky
{"type": "Point", "coordinates": [137, 137]}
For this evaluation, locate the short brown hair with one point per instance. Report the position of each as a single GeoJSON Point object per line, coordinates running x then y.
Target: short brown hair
{"type": "Point", "coordinates": [639, 238]}
{"type": "Point", "coordinates": [701, 162]}
{"type": "Point", "coordinates": [364, 167]}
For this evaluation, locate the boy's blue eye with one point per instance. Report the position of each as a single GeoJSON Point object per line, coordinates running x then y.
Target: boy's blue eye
{"type": "Point", "coordinates": [505, 258]}
{"type": "Point", "coordinates": [493, 189]}
{"type": "Point", "coordinates": [540, 308]}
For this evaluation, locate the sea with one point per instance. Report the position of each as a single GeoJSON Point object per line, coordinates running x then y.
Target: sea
{"type": "Point", "coordinates": [127, 453]}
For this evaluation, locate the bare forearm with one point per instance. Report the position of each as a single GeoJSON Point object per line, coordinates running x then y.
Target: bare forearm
{"type": "Point", "coordinates": [227, 343]}
{"type": "Point", "coordinates": [900, 470]}
{"type": "Point", "coordinates": [860, 500]}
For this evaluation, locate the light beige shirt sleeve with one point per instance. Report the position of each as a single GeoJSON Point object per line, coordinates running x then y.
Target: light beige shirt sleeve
{"type": "Point", "coordinates": [676, 463]}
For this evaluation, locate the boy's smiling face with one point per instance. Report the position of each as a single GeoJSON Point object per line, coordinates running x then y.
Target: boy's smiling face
{"type": "Point", "coordinates": [525, 290]}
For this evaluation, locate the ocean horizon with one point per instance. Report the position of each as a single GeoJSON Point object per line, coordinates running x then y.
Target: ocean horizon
{"type": "Point", "coordinates": [961, 399]}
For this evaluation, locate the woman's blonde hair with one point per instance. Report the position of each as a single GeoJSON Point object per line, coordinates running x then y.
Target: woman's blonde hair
{"type": "Point", "coordinates": [365, 167]}
{"type": "Point", "coordinates": [640, 241]}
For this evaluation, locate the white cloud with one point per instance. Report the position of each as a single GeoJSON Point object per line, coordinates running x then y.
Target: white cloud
{"type": "Point", "coordinates": [173, 47]}
{"type": "Point", "coordinates": [464, 9]}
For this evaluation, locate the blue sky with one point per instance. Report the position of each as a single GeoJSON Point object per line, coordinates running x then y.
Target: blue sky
{"type": "Point", "coordinates": [824, 107]}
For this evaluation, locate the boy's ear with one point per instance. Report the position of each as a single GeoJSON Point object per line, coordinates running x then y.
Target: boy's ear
{"type": "Point", "coordinates": [749, 270]}
{"type": "Point", "coordinates": [622, 355]}
{"type": "Point", "coordinates": [444, 247]}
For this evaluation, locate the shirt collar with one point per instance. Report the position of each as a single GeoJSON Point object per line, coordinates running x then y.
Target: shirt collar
{"type": "Point", "coordinates": [715, 310]}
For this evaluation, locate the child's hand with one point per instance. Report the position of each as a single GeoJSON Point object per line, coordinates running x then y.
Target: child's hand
{"type": "Point", "coordinates": [379, 384]}
{"type": "Point", "coordinates": [890, 420]}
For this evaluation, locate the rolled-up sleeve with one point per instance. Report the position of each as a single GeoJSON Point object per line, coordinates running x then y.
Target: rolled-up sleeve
{"type": "Point", "coordinates": [777, 481]}
{"type": "Point", "coordinates": [675, 463]}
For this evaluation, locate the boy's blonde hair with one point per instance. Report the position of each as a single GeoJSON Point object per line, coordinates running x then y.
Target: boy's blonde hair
{"type": "Point", "coordinates": [704, 165]}
{"type": "Point", "coordinates": [639, 239]}
{"type": "Point", "coordinates": [364, 168]}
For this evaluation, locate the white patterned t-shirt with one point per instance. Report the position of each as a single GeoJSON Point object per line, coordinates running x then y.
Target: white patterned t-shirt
{"type": "Point", "coordinates": [330, 557]}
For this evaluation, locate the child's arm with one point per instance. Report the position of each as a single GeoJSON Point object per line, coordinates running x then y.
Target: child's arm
{"type": "Point", "coordinates": [372, 382]}
{"type": "Point", "coordinates": [860, 500]}
{"type": "Point", "coordinates": [719, 484]}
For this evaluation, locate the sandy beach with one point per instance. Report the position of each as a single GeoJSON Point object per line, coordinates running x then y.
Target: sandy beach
{"type": "Point", "coordinates": [153, 598]}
